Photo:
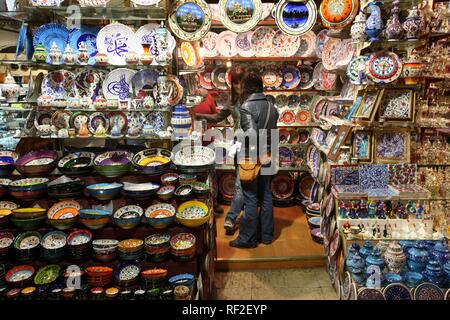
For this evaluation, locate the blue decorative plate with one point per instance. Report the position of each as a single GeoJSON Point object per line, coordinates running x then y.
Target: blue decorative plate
{"type": "Point", "coordinates": [286, 156]}
{"type": "Point", "coordinates": [428, 291]}
{"type": "Point", "coordinates": [49, 33]}
{"type": "Point", "coordinates": [158, 121]}
{"type": "Point", "coordinates": [88, 35]}
{"type": "Point", "coordinates": [295, 18]}
{"type": "Point", "coordinates": [21, 39]}
{"type": "Point", "coordinates": [397, 291]}
{"type": "Point", "coordinates": [291, 77]}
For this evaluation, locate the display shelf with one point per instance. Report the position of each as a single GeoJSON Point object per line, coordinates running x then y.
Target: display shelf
{"type": "Point", "coordinates": [261, 59]}
{"type": "Point", "coordinates": [284, 90]}
{"type": "Point", "coordinates": [282, 169]}
{"type": "Point", "coordinates": [297, 125]}
{"type": "Point", "coordinates": [99, 138]}
{"type": "Point", "coordinates": [54, 67]}
{"type": "Point", "coordinates": [54, 109]}
{"type": "Point", "coordinates": [433, 164]}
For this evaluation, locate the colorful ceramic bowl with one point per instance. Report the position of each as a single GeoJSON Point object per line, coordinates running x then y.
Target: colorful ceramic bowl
{"type": "Point", "coordinates": [28, 224]}
{"type": "Point", "coordinates": [28, 213]}
{"type": "Point", "coordinates": [166, 192]}
{"type": "Point", "coordinates": [77, 163]}
{"type": "Point", "coordinates": [128, 217]}
{"type": "Point", "coordinates": [157, 247]}
{"type": "Point", "coordinates": [63, 215]}
{"type": "Point", "coordinates": [113, 163]}
{"type": "Point", "coordinates": [160, 215]}
{"type": "Point", "coordinates": [127, 274]}
{"type": "Point", "coordinates": [131, 245]}
{"type": "Point", "coordinates": [66, 190]}
{"type": "Point", "coordinates": [201, 189]}
{"type": "Point", "coordinates": [79, 244]}
{"type": "Point", "coordinates": [105, 250]}
{"type": "Point", "coordinates": [104, 191]}
{"type": "Point", "coordinates": [194, 158]}
{"type": "Point", "coordinates": [140, 191]}
{"type": "Point", "coordinates": [154, 275]}
{"type": "Point", "coordinates": [46, 275]}
{"type": "Point", "coordinates": [28, 189]}
{"type": "Point", "coordinates": [36, 163]}
{"type": "Point", "coordinates": [27, 246]}
{"type": "Point", "coordinates": [19, 276]}
{"type": "Point", "coordinates": [183, 246]}
{"type": "Point", "coordinates": [187, 178]}
{"type": "Point", "coordinates": [183, 192]}
{"type": "Point", "coordinates": [94, 219]}
{"type": "Point", "coordinates": [99, 276]}
{"type": "Point", "coordinates": [193, 214]}
{"type": "Point", "coordinates": [7, 162]}
{"type": "Point", "coordinates": [169, 179]}
{"type": "Point", "coordinates": [152, 161]}
{"type": "Point", "coordinates": [6, 243]}
{"type": "Point", "coordinates": [185, 279]}
{"type": "Point", "coordinates": [4, 186]}
{"type": "Point", "coordinates": [53, 246]}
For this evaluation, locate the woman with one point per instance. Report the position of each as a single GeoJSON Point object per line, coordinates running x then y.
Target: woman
{"type": "Point", "coordinates": [232, 109]}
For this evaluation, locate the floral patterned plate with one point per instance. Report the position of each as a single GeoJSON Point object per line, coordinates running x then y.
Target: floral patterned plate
{"type": "Point", "coordinates": [320, 41]}
{"type": "Point", "coordinates": [206, 79]}
{"type": "Point", "coordinates": [262, 41]}
{"type": "Point", "coordinates": [383, 67]}
{"type": "Point", "coordinates": [356, 70]}
{"type": "Point", "coordinates": [94, 121]}
{"type": "Point", "coordinates": [291, 77]}
{"type": "Point", "coordinates": [89, 82]}
{"type": "Point", "coordinates": [189, 54]}
{"type": "Point", "coordinates": [59, 84]}
{"type": "Point", "coordinates": [77, 119]}
{"type": "Point", "coordinates": [271, 78]}
{"type": "Point", "coordinates": [397, 291]}
{"type": "Point", "coordinates": [285, 45]}
{"type": "Point", "coordinates": [244, 45]}
{"type": "Point", "coordinates": [282, 187]}
{"type": "Point", "coordinates": [370, 294]}
{"type": "Point", "coordinates": [428, 291]}
{"type": "Point", "coordinates": [287, 117]}
{"type": "Point", "coordinates": [226, 44]}
{"type": "Point", "coordinates": [210, 44]}
{"type": "Point", "coordinates": [307, 45]}
{"type": "Point", "coordinates": [303, 116]}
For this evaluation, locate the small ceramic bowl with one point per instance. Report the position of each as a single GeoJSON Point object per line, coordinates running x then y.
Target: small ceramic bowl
{"type": "Point", "coordinates": [169, 179]}
{"type": "Point", "coordinates": [157, 247]}
{"type": "Point", "coordinates": [66, 190]}
{"type": "Point", "coordinates": [131, 245]}
{"type": "Point", "coordinates": [113, 164]}
{"type": "Point", "coordinates": [53, 246]}
{"type": "Point", "coordinates": [152, 161]}
{"type": "Point", "coordinates": [19, 276]}
{"type": "Point", "coordinates": [183, 192]}
{"type": "Point", "coordinates": [201, 189]}
{"type": "Point", "coordinates": [27, 246]}
{"type": "Point", "coordinates": [28, 213]}
{"type": "Point", "coordinates": [37, 163]}
{"type": "Point", "coordinates": [94, 219]}
{"type": "Point", "coordinates": [160, 215]}
{"type": "Point", "coordinates": [77, 163]}
{"type": "Point", "coordinates": [6, 243]}
{"type": "Point", "coordinates": [140, 191]}
{"type": "Point", "coordinates": [183, 247]}
{"type": "Point", "coordinates": [187, 178]}
{"type": "Point", "coordinates": [128, 217]}
{"type": "Point", "coordinates": [193, 214]}
{"type": "Point", "coordinates": [166, 192]}
{"type": "Point", "coordinates": [28, 224]}
{"type": "Point", "coordinates": [185, 279]}
{"type": "Point", "coordinates": [28, 189]}
{"type": "Point", "coordinates": [104, 191]}
{"type": "Point", "coordinates": [7, 162]}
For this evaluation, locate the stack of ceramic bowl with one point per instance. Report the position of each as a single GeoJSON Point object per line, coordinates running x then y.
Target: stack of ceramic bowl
{"type": "Point", "coordinates": [28, 189]}
{"type": "Point", "coordinates": [2, 276]}
{"type": "Point", "coordinates": [104, 191]}
{"type": "Point", "coordinates": [184, 279]}
{"type": "Point", "coordinates": [99, 276]}
{"type": "Point", "coordinates": [79, 244]}
{"type": "Point", "coordinates": [6, 243]}
{"type": "Point", "coordinates": [153, 277]}
{"type": "Point", "coordinates": [152, 161]}
{"type": "Point", "coordinates": [201, 190]}
{"type": "Point", "coordinates": [127, 274]}
{"type": "Point", "coordinates": [53, 246]}
{"type": "Point", "coordinates": [77, 164]}
{"type": "Point", "coordinates": [63, 215]}
{"type": "Point", "coordinates": [113, 164]}
{"type": "Point", "coordinates": [183, 247]}
{"type": "Point", "coordinates": [67, 189]}
{"type": "Point", "coordinates": [47, 275]}
{"type": "Point", "coordinates": [131, 249]}
{"type": "Point", "coordinates": [169, 179]}
{"type": "Point", "coordinates": [27, 246]}
{"type": "Point", "coordinates": [28, 218]}
{"type": "Point", "coordinates": [4, 183]}
{"type": "Point", "coordinates": [184, 193]}
{"type": "Point", "coordinates": [19, 276]}
{"type": "Point", "coordinates": [194, 159]}
{"type": "Point", "coordinates": [94, 219]}
{"type": "Point", "coordinates": [166, 192]}
{"type": "Point", "coordinates": [187, 178]}
{"type": "Point", "coordinates": [140, 191]}
{"type": "Point", "coordinates": [160, 215]}
{"type": "Point", "coordinates": [193, 214]}
{"type": "Point", "coordinates": [128, 217]}
{"type": "Point", "coordinates": [157, 247]}
{"type": "Point", "coordinates": [105, 250]}
{"type": "Point", "coordinates": [36, 163]}
{"type": "Point", "coordinates": [314, 222]}
{"type": "Point", "coordinates": [7, 162]}
{"type": "Point", "coordinates": [313, 210]}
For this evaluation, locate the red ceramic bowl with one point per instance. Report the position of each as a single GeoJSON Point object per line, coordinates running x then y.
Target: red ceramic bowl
{"type": "Point", "coordinates": [26, 272]}
{"type": "Point", "coordinates": [99, 271]}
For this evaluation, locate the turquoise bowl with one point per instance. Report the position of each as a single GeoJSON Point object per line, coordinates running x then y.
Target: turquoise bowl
{"type": "Point", "coordinates": [104, 191]}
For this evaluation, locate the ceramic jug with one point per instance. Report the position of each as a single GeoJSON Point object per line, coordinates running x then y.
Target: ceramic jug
{"type": "Point", "coordinates": [374, 23]}
{"type": "Point", "coordinates": [395, 257]}
{"type": "Point", "coordinates": [40, 54]}
{"type": "Point", "coordinates": [394, 29]}
{"type": "Point", "coordinates": [68, 56]}
{"type": "Point", "coordinates": [417, 257]}
{"type": "Point", "coordinates": [55, 54]}
{"type": "Point", "coordinates": [414, 24]}
{"type": "Point", "coordinates": [440, 252]}
{"type": "Point", "coordinates": [357, 31]}
{"type": "Point", "coordinates": [83, 54]}
{"type": "Point", "coordinates": [434, 273]}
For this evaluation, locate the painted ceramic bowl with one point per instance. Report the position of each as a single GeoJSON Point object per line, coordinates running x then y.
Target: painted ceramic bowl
{"type": "Point", "coordinates": [166, 192]}
{"type": "Point", "coordinates": [28, 224]}
{"type": "Point", "coordinates": [7, 162]}
{"type": "Point", "coordinates": [28, 189]}
{"type": "Point", "coordinates": [131, 245]}
{"type": "Point", "coordinates": [5, 214]}
{"type": "Point", "coordinates": [77, 163]}
{"type": "Point", "coordinates": [105, 250]}
{"type": "Point", "coordinates": [99, 276]}
{"type": "Point", "coordinates": [154, 275]}
{"type": "Point", "coordinates": [160, 215]}
{"type": "Point", "coordinates": [47, 275]}
{"type": "Point", "coordinates": [27, 246]}
{"type": "Point", "coordinates": [53, 246]}
{"type": "Point", "coordinates": [79, 244]}
{"type": "Point", "coordinates": [37, 163]}
{"type": "Point", "coordinates": [183, 246]}
{"type": "Point", "coordinates": [187, 178]}
{"type": "Point", "coordinates": [63, 215]}
{"type": "Point", "coordinates": [140, 191]}
{"type": "Point", "coordinates": [127, 274]}
{"type": "Point", "coordinates": [4, 186]}
{"type": "Point", "coordinates": [6, 243]}
{"type": "Point", "coordinates": [194, 158]}
{"type": "Point", "coordinates": [314, 222]}
{"type": "Point", "coordinates": [152, 161]}
{"type": "Point", "coordinates": [66, 190]}
{"type": "Point", "coordinates": [113, 163]}
{"type": "Point", "coordinates": [201, 189]}
{"type": "Point", "coordinates": [413, 279]}
{"type": "Point", "coordinates": [185, 279]}
{"type": "Point", "coordinates": [169, 179]}
{"type": "Point", "coordinates": [94, 219]}
{"type": "Point", "coordinates": [184, 192]}
{"type": "Point", "coordinates": [157, 247]}
{"type": "Point", "coordinates": [104, 191]}
{"type": "Point", "coordinates": [128, 217]}
{"type": "Point", "coordinates": [317, 235]}
{"type": "Point", "coordinates": [19, 276]}
{"type": "Point", "coordinates": [28, 213]}
{"type": "Point", "coordinates": [193, 214]}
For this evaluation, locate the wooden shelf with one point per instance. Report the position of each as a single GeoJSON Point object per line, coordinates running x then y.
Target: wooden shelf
{"type": "Point", "coordinates": [261, 59]}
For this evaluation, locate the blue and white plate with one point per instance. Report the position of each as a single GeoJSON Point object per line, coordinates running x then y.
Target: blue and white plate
{"type": "Point", "coordinates": [49, 33]}
{"type": "Point", "coordinates": [21, 39]}
{"type": "Point", "coordinates": [89, 82]}
{"type": "Point", "coordinates": [144, 79]}
{"type": "Point", "coordinates": [244, 45]}
{"type": "Point", "coordinates": [291, 77]}
{"type": "Point", "coordinates": [147, 35]}
{"type": "Point", "coordinates": [158, 121]}
{"type": "Point", "coordinates": [59, 84]}
{"type": "Point", "coordinates": [88, 35]}
{"type": "Point", "coordinates": [117, 84]}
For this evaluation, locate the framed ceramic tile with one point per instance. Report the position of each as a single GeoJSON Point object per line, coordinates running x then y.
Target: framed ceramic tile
{"type": "Point", "coordinates": [345, 175]}
{"type": "Point", "coordinates": [397, 104]}
{"type": "Point", "coordinates": [362, 145]}
{"type": "Point", "coordinates": [369, 103]}
{"type": "Point", "coordinates": [373, 176]}
{"type": "Point", "coordinates": [391, 146]}
{"type": "Point", "coordinates": [402, 174]}
{"type": "Point", "coordinates": [354, 107]}
{"type": "Point", "coordinates": [339, 141]}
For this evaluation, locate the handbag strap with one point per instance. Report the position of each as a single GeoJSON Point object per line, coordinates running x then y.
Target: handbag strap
{"type": "Point", "coordinates": [267, 114]}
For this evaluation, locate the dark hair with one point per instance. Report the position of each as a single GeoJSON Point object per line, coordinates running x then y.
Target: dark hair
{"type": "Point", "coordinates": [251, 83]}
{"type": "Point", "coordinates": [236, 77]}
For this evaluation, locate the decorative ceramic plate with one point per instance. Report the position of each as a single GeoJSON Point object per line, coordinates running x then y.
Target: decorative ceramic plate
{"type": "Point", "coordinates": [370, 294]}
{"type": "Point", "coordinates": [190, 20]}
{"type": "Point", "coordinates": [383, 67]}
{"type": "Point", "coordinates": [304, 136]}
{"type": "Point", "coordinates": [49, 33]}
{"type": "Point", "coordinates": [286, 156]}
{"type": "Point", "coordinates": [244, 45]}
{"type": "Point", "coordinates": [291, 77]}
{"type": "Point", "coordinates": [337, 14]}
{"type": "Point", "coordinates": [210, 44]}
{"type": "Point", "coordinates": [226, 185]}
{"type": "Point", "coordinates": [356, 70]}
{"type": "Point", "coordinates": [397, 291]}
{"type": "Point", "coordinates": [146, 2]}
{"type": "Point", "coordinates": [189, 54]}
{"type": "Point", "coordinates": [59, 84]}
{"type": "Point", "coordinates": [267, 10]}
{"type": "Point", "coordinates": [303, 116]}
{"type": "Point", "coordinates": [205, 78]}
{"type": "Point", "coordinates": [144, 80]}
{"type": "Point", "coordinates": [346, 286]}
{"type": "Point", "coordinates": [262, 39]}
{"type": "Point", "coordinates": [226, 44]}
{"type": "Point", "coordinates": [240, 15]}
{"type": "Point", "coordinates": [271, 78]}
{"type": "Point", "coordinates": [335, 243]}
{"type": "Point", "coordinates": [428, 291]}
{"type": "Point", "coordinates": [64, 210]}
{"type": "Point", "coordinates": [324, 80]}
{"type": "Point", "coordinates": [295, 18]}
{"type": "Point", "coordinates": [147, 35]}
{"type": "Point", "coordinates": [120, 118]}
{"type": "Point", "coordinates": [281, 100]}
{"type": "Point", "coordinates": [157, 120]}
{"type": "Point", "coordinates": [305, 185]}
{"type": "Point", "coordinates": [320, 41]}
{"type": "Point", "coordinates": [61, 119]}
{"type": "Point", "coordinates": [88, 35]}
{"type": "Point", "coordinates": [43, 118]}
{"type": "Point", "coordinates": [293, 101]}
{"type": "Point", "coordinates": [285, 45]}
{"type": "Point", "coordinates": [306, 76]}
{"type": "Point", "coordinates": [77, 119]}
{"type": "Point", "coordinates": [283, 135]}
{"type": "Point", "coordinates": [282, 187]}
{"type": "Point", "coordinates": [116, 40]}
{"type": "Point", "coordinates": [287, 117]}
{"type": "Point", "coordinates": [219, 76]}
{"type": "Point", "coordinates": [94, 121]}
{"type": "Point", "coordinates": [118, 84]}
{"type": "Point", "coordinates": [88, 83]}
{"type": "Point", "coordinates": [175, 88]}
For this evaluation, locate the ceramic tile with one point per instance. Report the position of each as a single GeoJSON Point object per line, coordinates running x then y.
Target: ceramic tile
{"type": "Point", "coordinates": [402, 174]}
{"type": "Point", "coordinates": [374, 176]}
{"type": "Point", "coordinates": [345, 175]}
{"type": "Point", "coordinates": [234, 293]}
{"type": "Point", "coordinates": [236, 279]}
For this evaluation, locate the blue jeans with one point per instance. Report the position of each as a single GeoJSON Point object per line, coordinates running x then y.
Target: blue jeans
{"type": "Point", "coordinates": [238, 200]}
{"type": "Point", "coordinates": [254, 227]}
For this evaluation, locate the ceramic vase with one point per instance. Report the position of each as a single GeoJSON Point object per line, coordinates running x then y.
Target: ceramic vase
{"type": "Point", "coordinates": [434, 273]}
{"type": "Point", "coordinates": [395, 257]}
{"type": "Point", "coordinates": [131, 58]}
{"type": "Point", "coordinates": [164, 56]}
{"type": "Point", "coordinates": [417, 257]}
{"type": "Point", "coordinates": [366, 250]}
{"type": "Point", "coordinates": [68, 56]}
{"type": "Point", "coordinates": [40, 54]}
{"type": "Point", "coordinates": [146, 57]}
{"type": "Point", "coordinates": [382, 245]}
{"type": "Point", "coordinates": [440, 252]}
{"type": "Point", "coordinates": [181, 120]}
{"type": "Point", "coordinates": [375, 259]}
{"type": "Point", "coordinates": [101, 59]}
{"type": "Point", "coordinates": [55, 54]}
{"type": "Point", "coordinates": [116, 130]}
{"type": "Point", "coordinates": [412, 70]}
{"type": "Point", "coordinates": [414, 24]}
{"type": "Point", "coordinates": [374, 23]}
{"type": "Point", "coordinates": [10, 89]}
{"type": "Point", "coordinates": [83, 54]}
{"type": "Point", "coordinates": [357, 31]}
{"type": "Point", "coordinates": [394, 29]}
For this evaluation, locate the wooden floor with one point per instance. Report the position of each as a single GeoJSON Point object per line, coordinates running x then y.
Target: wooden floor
{"type": "Point", "coordinates": [292, 247]}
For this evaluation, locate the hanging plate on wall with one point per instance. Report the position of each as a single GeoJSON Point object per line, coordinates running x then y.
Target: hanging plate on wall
{"type": "Point", "coordinates": [285, 45]}
{"type": "Point", "coordinates": [205, 78]}
{"type": "Point", "coordinates": [356, 70]}
{"type": "Point", "coordinates": [262, 41]}
{"type": "Point", "coordinates": [118, 84]}
{"type": "Point", "coordinates": [190, 20]}
{"type": "Point", "coordinates": [189, 54]}
{"type": "Point", "coordinates": [49, 33]}
{"type": "Point", "coordinates": [291, 77]}
{"type": "Point", "coordinates": [383, 67]}
{"type": "Point", "coordinates": [88, 35]}
{"type": "Point", "coordinates": [307, 45]}
{"type": "Point", "coordinates": [295, 18]}
{"type": "Point", "coordinates": [59, 84]}
{"type": "Point", "coordinates": [337, 14]}
{"type": "Point", "coordinates": [89, 82]}
{"type": "Point", "coordinates": [226, 44]}
{"type": "Point", "coordinates": [240, 15]}
{"type": "Point", "coordinates": [209, 42]}
{"type": "Point", "coordinates": [219, 77]}
{"type": "Point", "coordinates": [244, 45]}
{"type": "Point", "coordinates": [306, 76]}
{"type": "Point", "coordinates": [282, 186]}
